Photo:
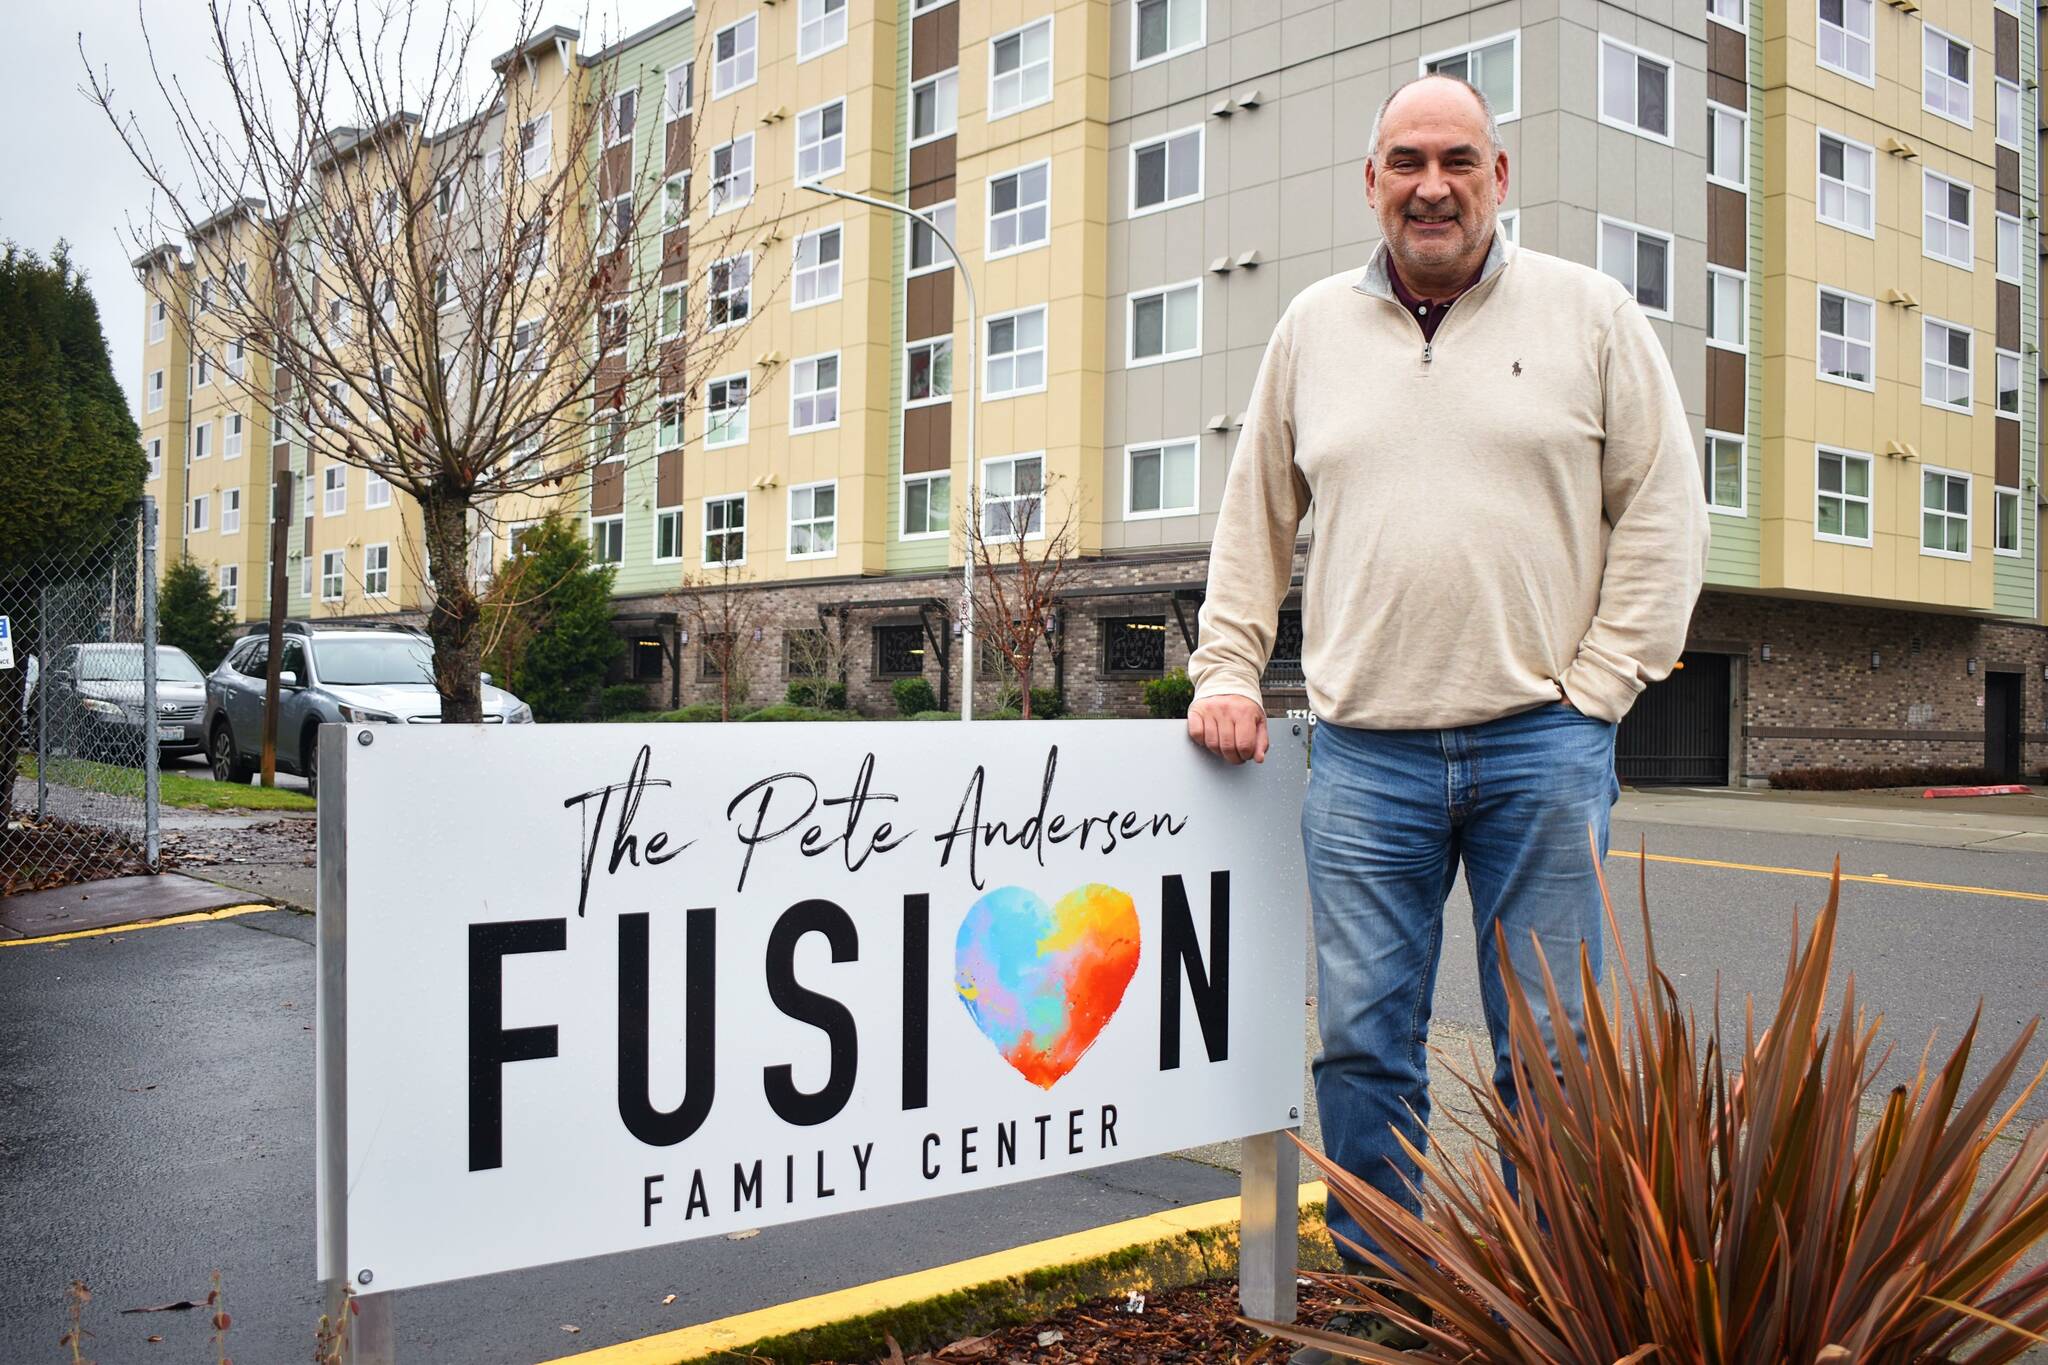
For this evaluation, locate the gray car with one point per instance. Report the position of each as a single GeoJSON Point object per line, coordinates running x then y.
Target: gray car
{"type": "Point", "coordinates": [95, 705]}
{"type": "Point", "coordinates": [350, 674]}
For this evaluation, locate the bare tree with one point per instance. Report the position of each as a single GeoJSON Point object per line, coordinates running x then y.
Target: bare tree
{"type": "Point", "coordinates": [725, 617]}
{"type": "Point", "coordinates": [1022, 556]}
{"type": "Point", "coordinates": [817, 658]}
{"type": "Point", "coordinates": [450, 292]}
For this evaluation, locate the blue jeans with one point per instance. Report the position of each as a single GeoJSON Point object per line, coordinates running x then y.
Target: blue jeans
{"type": "Point", "coordinates": [1388, 817]}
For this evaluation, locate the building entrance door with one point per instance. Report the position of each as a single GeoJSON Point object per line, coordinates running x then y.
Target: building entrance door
{"type": "Point", "coordinates": [1677, 732]}
{"type": "Point", "coordinates": [2002, 714]}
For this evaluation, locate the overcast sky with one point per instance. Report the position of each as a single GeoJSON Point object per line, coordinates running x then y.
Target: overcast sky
{"type": "Point", "coordinates": [68, 177]}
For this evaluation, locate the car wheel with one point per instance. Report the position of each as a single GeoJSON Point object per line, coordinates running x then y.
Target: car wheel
{"type": "Point", "coordinates": [309, 762]}
{"type": "Point", "coordinates": [223, 757]}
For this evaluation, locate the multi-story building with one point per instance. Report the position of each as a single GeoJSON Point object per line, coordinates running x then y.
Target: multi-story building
{"type": "Point", "coordinates": [1829, 209]}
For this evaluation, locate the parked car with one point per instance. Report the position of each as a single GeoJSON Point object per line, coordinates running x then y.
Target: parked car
{"type": "Point", "coordinates": [353, 674]}
{"type": "Point", "coordinates": [94, 696]}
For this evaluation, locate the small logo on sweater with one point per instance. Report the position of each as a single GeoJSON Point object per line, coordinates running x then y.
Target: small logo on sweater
{"type": "Point", "coordinates": [1518, 369]}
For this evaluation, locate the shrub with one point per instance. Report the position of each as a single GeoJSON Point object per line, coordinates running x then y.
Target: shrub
{"type": "Point", "coordinates": [191, 615]}
{"type": "Point", "coordinates": [936, 715]}
{"type": "Point", "coordinates": [1711, 1192]}
{"type": "Point", "coordinates": [913, 695]}
{"type": "Point", "coordinates": [696, 712]}
{"type": "Point", "coordinates": [1168, 696]}
{"type": "Point", "coordinates": [784, 711]}
{"type": "Point", "coordinates": [1047, 704]}
{"type": "Point", "coordinates": [818, 692]}
{"type": "Point", "coordinates": [621, 699]}
{"type": "Point", "coordinates": [551, 611]}
{"type": "Point", "coordinates": [1857, 779]}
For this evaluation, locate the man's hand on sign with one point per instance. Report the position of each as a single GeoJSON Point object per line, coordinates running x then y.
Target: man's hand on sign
{"type": "Point", "coordinates": [1232, 728]}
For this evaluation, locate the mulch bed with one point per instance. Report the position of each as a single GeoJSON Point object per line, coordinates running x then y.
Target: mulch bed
{"type": "Point", "coordinates": [43, 855]}
{"type": "Point", "coordinates": [289, 840]}
{"type": "Point", "coordinates": [1196, 1325]}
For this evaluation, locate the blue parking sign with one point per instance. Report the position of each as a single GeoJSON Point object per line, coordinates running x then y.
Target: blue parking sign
{"type": "Point", "coordinates": [6, 643]}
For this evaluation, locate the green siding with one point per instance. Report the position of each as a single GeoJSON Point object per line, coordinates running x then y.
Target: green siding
{"type": "Point", "coordinates": [1735, 554]}
{"type": "Point", "coordinates": [2014, 582]}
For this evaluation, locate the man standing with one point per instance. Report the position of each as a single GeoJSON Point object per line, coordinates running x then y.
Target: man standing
{"type": "Point", "coordinates": [1509, 533]}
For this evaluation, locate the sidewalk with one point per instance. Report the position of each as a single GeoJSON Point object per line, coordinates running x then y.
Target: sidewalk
{"type": "Point", "coordinates": [2002, 824]}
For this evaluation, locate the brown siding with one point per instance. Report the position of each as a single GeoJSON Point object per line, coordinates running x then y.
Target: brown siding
{"type": "Point", "coordinates": [676, 146]}
{"type": "Point", "coordinates": [2009, 181]}
{"type": "Point", "coordinates": [1727, 90]}
{"type": "Point", "coordinates": [934, 42]}
{"type": "Point", "coordinates": [1727, 390]}
{"type": "Point", "coordinates": [2005, 43]}
{"type": "Point", "coordinates": [2008, 454]}
{"type": "Point", "coordinates": [928, 439]}
{"type": "Point", "coordinates": [928, 306]}
{"type": "Point", "coordinates": [932, 162]}
{"type": "Point", "coordinates": [608, 489]}
{"type": "Point", "coordinates": [675, 255]}
{"type": "Point", "coordinates": [281, 457]}
{"type": "Point", "coordinates": [668, 479]}
{"type": "Point", "coordinates": [1728, 54]}
{"type": "Point", "coordinates": [1727, 226]}
{"type": "Point", "coordinates": [2008, 316]}
{"type": "Point", "coordinates": [615, 172]}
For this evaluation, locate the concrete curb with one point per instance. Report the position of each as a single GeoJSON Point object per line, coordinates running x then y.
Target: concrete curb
{"type": "Point", "coordinates": [929, 1308]}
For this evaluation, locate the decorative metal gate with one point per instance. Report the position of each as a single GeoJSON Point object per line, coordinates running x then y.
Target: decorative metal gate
{"type": "Point", "coordinates": [1677, 733]}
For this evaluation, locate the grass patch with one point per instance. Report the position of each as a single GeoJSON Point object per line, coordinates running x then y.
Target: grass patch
{"type": "Point", "coordinates": [174, 789]}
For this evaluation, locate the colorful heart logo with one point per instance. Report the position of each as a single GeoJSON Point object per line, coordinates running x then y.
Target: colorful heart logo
{"type": "Point", "coordinates": [1042, 981]}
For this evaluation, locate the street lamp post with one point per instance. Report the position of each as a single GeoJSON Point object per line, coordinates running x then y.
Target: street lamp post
{"type": "Point", "coordinates": [973, 501]}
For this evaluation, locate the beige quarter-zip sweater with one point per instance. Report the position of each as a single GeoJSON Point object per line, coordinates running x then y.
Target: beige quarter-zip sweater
{"type": "Point", "coordinates": [1509, 510]}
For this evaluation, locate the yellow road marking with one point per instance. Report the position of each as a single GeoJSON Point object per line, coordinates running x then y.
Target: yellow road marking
{"type": "Point", "coordinates": [1876, 877]}
{"type": "Point", "coordinates": [196, 917]}
{"type": "Point", "coordinates": [728, 1334]}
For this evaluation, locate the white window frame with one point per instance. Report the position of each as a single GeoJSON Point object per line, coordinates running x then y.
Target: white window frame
{"type": "Point", "coordinates": [675, 201]}
{"type": "Point", "coordinates": [1165, 140]}
{"type": "Point", "coordinates": [723, 429]}
{"type": "Point", "coordinates": [1969, 257]}
{"type": "Point", "coordinates": [530, 248]}
{"type": "Point", "coordinates": [2004, 225]}
{"type": "Point", "coordinates": [376, 490]}
{"type": "Point", "coordinates": [202, 367]}
{"type": "Point", "coordinates": [817, 272]}
{"type": "Point", "coordinates": [815, 393]}
{"type": "Point", "coordinates": [1719, 112]}
{"type": "Point", "coordinates": [671, 422]}
{"type": "Point", "coordinates": [681, 313]}
{"type": "Point", "coordinates": [156, 458]}
{"type": "Point", "coordinates": [2019, 389]}
{"type": "Point", "coordinates": [1511, 225]}
{"type": "Point", "coordinates": [721, 85]}
{"type": "Point", "coordinates": [989, 195]}
{"type": "Point", "coordinates": [333, 495]}
{"type": "Point", "coordinates": [1716, 273]}
{"type": "Point", "coordinates": [613, 137]}
{"type": "Point", "coordinates": [334, 570]}
{"type": "Point", "coordinates": [1741, 508]}
{"type": "Point", "coordinates": [1999, 497]}
{"type": "Point", "coordinates": [529, 359]}
{"type": "Point", "coordinates": [821, 21]}
{"type": "Point", "coordinates": [941, 258]}
{"type": "Point", "coordinates": [612, 528]}
{"type": "Point", "coordinates": [814, 521]}
{"type": "Point", "coordinates": [1821, 178]}
{"type": "Point", "coordinates": [155, 400]}
{"type": "Point", "coordinates": [233, 428]}
{"type": "Point", "coordinates": [1193, 446]}
{"type": "Point", "coordinates": [230, 582]}
{"type": "Point", "coordinates": [230, 511]}
{"type": "Point", "coordinates": [202, 441]}
{"type": "Point", "coordinates": [377, 577]}
{"type": "Point", "coordinates": [197, 514]}
{"type": "Point", "coordinates": [237, 356]}
{"type": "Point", "coordinates": [1845, 497]}
{"type": "Point", "coordinates": [614, 223]}
{"type": "Point", "coordinates": [935, 83]}
{"type": "Point", "coordinates": [1869, 9]}
{"type": "Point", "coordinates": [159, 320]}
{"type": "Point", "coordinates": [661, 515]}
{"type": "Point", "coordinates": [1740, 23]}
{"type": "Point", "coordinates": [704, 548]}
{"type": "Point", "coordinates": [1513, 36]}
{"type": "Point", "coordinates": [1132, 360]}
{"type": "Point", "coordinates": [712, 295]}
{"type": "Point", "coordinates": [1968, 514]}
{"type": "Point", "coordinates": [823, 172]}
{"type": "Point", "coordinates": [2006, 93]}
{"type": "Point", "coordinates": [1670, 90]}
{"type": "Point", "coordinates": [1051, 54]}
{"type": "Point", "coordinates": [1969, 84]}
{"type": "Point", "coordinates": [1869, 385]}
{"type": "Point", "coordinates": [1969, 374]}
{"type": "Point", "coordinates": [724, 201]}
{"type": "Point", "coordinates": [990, 394]}
{"type": "Point", "coordinates": [1670, 264]}
{"type": "Point", "coordinates": [1201, 8]}
{"type": "Point", "coordinates": [671, 108]}
{"type": "Point", "coordinates": [614, 326]}
{"type": "Point", "coordinates": [543, 125]}
{"type": "Point", "coordinates": [903, 506]}
{"type": "Point", "coordinates": [931, 343]}
{"type": "Point", "coordinates": [987, 501]}
{"type": "Point", "coordinates": [305, 575]}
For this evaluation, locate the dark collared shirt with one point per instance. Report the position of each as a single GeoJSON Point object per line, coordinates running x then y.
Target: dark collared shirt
{"type": "Point", "coordinates": [1428, 312]}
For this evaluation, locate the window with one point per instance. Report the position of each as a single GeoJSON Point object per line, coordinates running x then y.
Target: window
{"type": "Point", "coordinates": [376, 571]}
{"type": "Point", "coordinates": [306, 576]}
{"type": "Point", "coordinates": [725, 421]}
{"type": "Point", "coordinates": [159, 315]}
{"type": "Point", "coordinates": [813, 521]}
{"type": "Point", "coordinates": [614, 224]}
{"type": "Point", "coordinates": [1847, 195]}
{"type": "Point", "coordinates": [333, 490]}
{"type": "Point", "coordinates": [1159, 480]}
{"type": "Point", "coordinates": [238, 356]}
{"type": "Point", "coordinates": [2007, 229]}
{"type": "Point", "coordinates": [821, 141]}
{"type": "Point", "coordinates": [607, 540]}
{"type": "Point", "coordinates": [675, 201]}
{"type": "Point", "coordinates": [608, 435]}
{"type": "Point", "coordinates": [1945, 234]}
{"type": "Point", "coordinates": [675, 91]}
{"type": "Point", "coordinates": [725, 530]}
{"type": "Point", "coordinates": [156, 459]}
{"type": "Point", "coordinates": [1133, 644]}
{"type": "Point", "coordinates": [1843, 41]}
{"type": "Point", "coordinates": [1944, 513]}
{"type": "Point", "coordinates": [199, 517]}
{"type": "Point", "coordinates": [1945, 75]}
{"type": "Point", "coordinates": [1727, 147]}
{"type": "Point", "coordinates": [529, 354]}
{"type": "Point", "coordinates": [202, 363]}
{"type": "Point", "coordinates": [1020, 69]}
{"type": "Point", "coordinates": [817, 268]}
{"type": "Point", "coordinates": [337, 404]}
{"type": "Point", "coordinates": [1945, 360]}
{"type": "Point", "coordinates": [613, 321]}
{"type": "Point", "coordinates": [1016, 354]}
{"type": "Point", "coordinates": [1728, 12]}
{"type": "Point", "coordinates": [1727, 309]}
{"type": "Point", "coordinates": [1635, 90]}
{"type": "Point", "coordinates": [384, 217]}
{"type": "Point", "coordinates": [1726, 486]}
{"type": "Point", "coordinates": [1164, 28]}
{"type": "Point", "coordinates": [935, 107]}
{"type": "Point", "coordinates": [1166, 324]}
{"type": "Point", "coordinates": [230, 511]}
{"type": "Point", "coordinates": [820, 26]}
{"type": "Point", "coordinates": [899, 650]}
{"type": "Point", "coordinates": [814, 393]}
{"type": "Point", "coordinates": [376, 489]}
{"type": "Point", "coordinates": [330, 575]}
{"type": "Point", "coordinates": [206, 296]}
{"type": "Point", "coordinates": [732, 174]}
{"type": "Point", "coordinates": [156, 390]}
{"type": "Point", "coordinates": [532, 247]}
{"type": "Point", "coordinates": [526, 450]}
{"type": "Point", "coordinates": [2008, 127]}
{"type": "Point", "coordinates": [231, 444]}
{"type": "Point", "coordinates": [1842, 497]}
{"type": "Point", "coordinates": [447, 194]}
{"type": "Point", "coordinates": [621, 113]}
{"type": "Point", "coordinates": [483, 552]}
{"type": "Point", "coordinates": [492, 177]}
{"type": "Point", "coordinates": [536, 146]}
{"type": "Point", "coordinates": [444, 289]}
{"type": "Point", "coordinates": [2005, 521]}
{"type": "Point", "coordinates": [928, 372]}
{"type": "Point", "coordinates": [674, 305]}
{"type": "Point", "coordinates": [1641, 260]}
{"type": "Point", "coordinates": [668, 423]}
{"type": "Point", "coordinates": [668, 535]}
{"type": "Point", "coordinates": [732, 57]}
{"type": "Point", "coordinates": [1848, 332]}
{"type": "Point", "coordinates": [1493, 65]}
{"type": "Point", "coordinates": [202, 440]}
{"type": "Point", "coordinates": [926, 253]}
{"type": "Point", "coordinates": [1013, 497]}
{"type": "Point", "coordinates": [1166, 171]}
{"type": "Point", "coordinates": [2008, 380]}
{"type": "Point", "coordinates": [1018, 215]}
{"type": "Point", "coordinates": [927, 505]}
{"type": "Point", "coordinates": [731, 291]}
{"type": "Point", "coordinates": [230, 580]}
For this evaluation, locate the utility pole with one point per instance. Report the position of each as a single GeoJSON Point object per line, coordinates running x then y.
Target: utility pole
{"type": "Point", "coordinates": [280, 534]}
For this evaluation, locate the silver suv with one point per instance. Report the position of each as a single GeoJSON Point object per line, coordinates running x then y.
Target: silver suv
{"type": "Point", "coordinates": [352, 674]}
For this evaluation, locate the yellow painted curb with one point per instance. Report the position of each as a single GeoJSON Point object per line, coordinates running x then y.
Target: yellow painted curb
{"type": "Point", "coordinates": [1873, 880]}
{"type": "Point", "coordinates": [879, 1296]}
{"type": "Point", "coordinates": [196, 917]}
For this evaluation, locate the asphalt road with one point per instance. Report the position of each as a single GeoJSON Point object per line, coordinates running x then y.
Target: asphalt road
{"type": "Point", "coordinates": [156, 1110]}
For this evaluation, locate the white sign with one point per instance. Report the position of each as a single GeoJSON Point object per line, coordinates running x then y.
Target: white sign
{"type": "Point", "coordinates": [6, 643]}
{"type": "Point", "coordinates": [610, 987]}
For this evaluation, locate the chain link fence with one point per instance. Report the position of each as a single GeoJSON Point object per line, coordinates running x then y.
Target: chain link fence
{"type": "Point", "coordinates": [84, 710]}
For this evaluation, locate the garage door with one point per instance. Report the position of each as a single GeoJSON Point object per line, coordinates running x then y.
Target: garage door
{"type": "Point", "coordinates": [1677, 734]}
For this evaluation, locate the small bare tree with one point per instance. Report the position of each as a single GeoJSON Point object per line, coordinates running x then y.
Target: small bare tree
{"type": "Point", "coordinates": [450, 292]}
{"type": "Point", "coordinates": [725, 617]}
{"type": "Point", "coordinates": [1022, 556]}
{"type": "Point", "coordinates": [817, 658]}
